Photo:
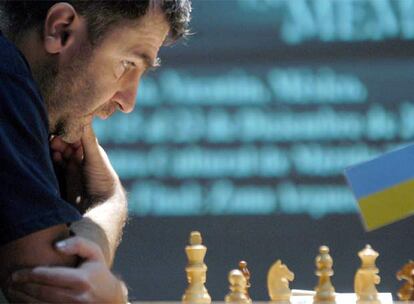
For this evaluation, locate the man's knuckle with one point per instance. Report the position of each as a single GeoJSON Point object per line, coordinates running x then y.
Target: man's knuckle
{"type": "Point", "coordinates": [75, 299]}
{"type": "Point", "coordinates": [95, 248]}
{"type": "Point", "coordinates": [76, 243]}
{"type": "Point", "coordinates": [78, 298]}
{"type": "Point", "coordinates": [84, 297]}
{"type": "Point", "coordinates": [84, 282]}
{"type": "Point", "coordinates": [76, 239]}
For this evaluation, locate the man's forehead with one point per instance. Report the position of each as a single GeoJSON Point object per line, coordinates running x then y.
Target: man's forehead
{"type": "Point", "coordinates": [153, 24]}
{"type": "Point", "coordinates": [140, 38]}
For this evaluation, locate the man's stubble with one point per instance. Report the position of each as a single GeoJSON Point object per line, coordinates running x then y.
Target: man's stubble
{"type": "Point", "coordinates": [67, 90]}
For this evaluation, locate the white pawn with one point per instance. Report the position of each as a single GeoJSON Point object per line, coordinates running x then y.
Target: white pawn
{"type": "Point", "coordinates": [196, 292]}
{"type": "Point", "coordinates": [238, 288]}
{"type": "Point", "coordinates": [367, 277]}
{"type": "Point", "coordinates": [325, 292]}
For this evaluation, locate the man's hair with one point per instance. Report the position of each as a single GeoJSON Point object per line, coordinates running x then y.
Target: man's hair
{"type": "Point", "coordinates": [16, 17]}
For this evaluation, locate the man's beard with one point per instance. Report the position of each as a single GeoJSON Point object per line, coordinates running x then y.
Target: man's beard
{"type": "Point", "coordinates": [65, 90]}
{"type": "Point", "coordinates": [45, 75]}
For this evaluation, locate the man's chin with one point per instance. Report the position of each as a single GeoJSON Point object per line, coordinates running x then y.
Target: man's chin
{"type": "Point", "coordinates": [71, 137]}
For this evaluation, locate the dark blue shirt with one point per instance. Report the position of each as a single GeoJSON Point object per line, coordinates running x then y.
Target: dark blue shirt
{"type": "Point", "coordinates": [29, 192]}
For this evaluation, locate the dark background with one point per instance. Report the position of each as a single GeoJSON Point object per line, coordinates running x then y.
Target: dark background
{"type": "Point", "coordinates": [244, 134]}
{"type": "Point", "coordinates": [151, 258]}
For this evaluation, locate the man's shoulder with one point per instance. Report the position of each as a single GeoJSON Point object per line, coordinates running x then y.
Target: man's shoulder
{"type": "Point", "coordinates": [20, 99]}
{"type": "Point", "coordinates": [12, 60]}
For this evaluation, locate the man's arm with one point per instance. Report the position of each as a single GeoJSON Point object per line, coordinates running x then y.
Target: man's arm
{"type": "Point", "coordinates": [89, 174]}
{"type": "Point", "coordinates": [87, 168]}
{"type": "Point", "coordinates": [34, 250]}
{"type": "Point", "coordinates": [90, 282]}
{"type": "Point", "coordinates": [103, 224]}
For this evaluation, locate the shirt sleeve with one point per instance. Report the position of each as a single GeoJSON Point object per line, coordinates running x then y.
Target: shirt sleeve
{"type": "Point", "coordinates": [29, 193]}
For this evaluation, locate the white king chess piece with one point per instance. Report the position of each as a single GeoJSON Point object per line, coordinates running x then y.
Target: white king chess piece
{"type": "Point", "coordinates": [196, 292]}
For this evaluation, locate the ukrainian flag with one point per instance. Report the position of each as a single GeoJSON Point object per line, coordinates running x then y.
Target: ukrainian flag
{"type": "Point", "coordinates": [384, 187]}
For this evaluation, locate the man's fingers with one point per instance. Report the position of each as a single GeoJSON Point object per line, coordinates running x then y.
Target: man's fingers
{"type": "Point", "coordinates": [89, 141]}
{"type": "Point", "coordinates": [64, 277]}
{"type": "Point", "coordinates": [63, 151]}
{"type": "Point", "coordinates": [76, 144]}
{"type": "Point", "coordinates": [72, 150]}
{"type": "Point", "coordinates": [57, 157]}
{"type": "Point", "coordinates": [79, 155]}
{"type": "Point", "coordinates": [47, 293]}
{"type": "Point", "coordinates": [82, 247]}
{"type": "Point", "coordinates": [17, 296]}
{"type": "Point", "coordinates": [67, 154]}
{"type": "Point", "coordinates": [57, 144]}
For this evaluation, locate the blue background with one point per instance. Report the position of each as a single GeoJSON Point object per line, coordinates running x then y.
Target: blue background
{"type": "Point", "coordinates": [244, 134]}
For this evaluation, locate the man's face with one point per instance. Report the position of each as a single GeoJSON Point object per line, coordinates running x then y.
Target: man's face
{"type": "Point", "coordinates": [96, 81]}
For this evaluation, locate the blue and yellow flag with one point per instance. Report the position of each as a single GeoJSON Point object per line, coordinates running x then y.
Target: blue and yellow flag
{"type": "Point", "coordinates": [384, 187]}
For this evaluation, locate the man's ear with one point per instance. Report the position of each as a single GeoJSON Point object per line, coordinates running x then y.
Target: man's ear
{"type": "Point", "coordinates": [62, 26]}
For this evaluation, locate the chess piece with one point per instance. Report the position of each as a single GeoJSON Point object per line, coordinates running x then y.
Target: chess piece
{"type": "Point", "coordinates": [238, 288]}
{"type": "Point", "coordinates": [367, 277]}
{"type": "Point", "coordinates": [406, 292]}
{"type": "Point", "coordinates": [196, 292]}
{"type": "Point", "coordinates": [278, 279]}
{"type": "Point", "coordinates": [243, 268]}
{"type": "Point", "coordinates": [324, 291]}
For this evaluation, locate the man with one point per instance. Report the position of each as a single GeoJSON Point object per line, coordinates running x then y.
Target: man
{"type": "Point", "coordinates": [62, 64]}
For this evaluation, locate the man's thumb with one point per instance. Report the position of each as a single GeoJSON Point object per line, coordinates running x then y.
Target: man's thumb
{"type": "Point", "coordinates": [81, 247]}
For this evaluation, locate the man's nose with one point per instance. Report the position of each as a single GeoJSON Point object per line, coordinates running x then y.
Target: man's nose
{"type": "Point", "coordinates": [126, 96]}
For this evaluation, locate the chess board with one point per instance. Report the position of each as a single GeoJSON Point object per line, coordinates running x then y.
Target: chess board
{"type": "Point", "coordinates": [253, 302]}
{"type": "Point", "coordinates": [345, 298]}
{"type": "Point", "coordinates": [342, 298]}
{"type": "Point", "coordinates": [295, 300]}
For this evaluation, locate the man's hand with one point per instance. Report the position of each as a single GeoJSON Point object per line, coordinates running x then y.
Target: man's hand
{"type": "Point", "coordinates": [91, 183]}
{"type": "Point", "coordinates": [101, 180]}
{"type": "Point", "coordinates": [86, 168]}
{"type": "Point", "coordinates": [91, 282]}
{"type": "Point", "coordinates": [68, 159]}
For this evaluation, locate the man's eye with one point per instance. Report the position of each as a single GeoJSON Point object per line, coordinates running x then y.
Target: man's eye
{"type": "Point", "coordinates": [123, 67]}
{"type": "Point", "coordinates": [128, 64]}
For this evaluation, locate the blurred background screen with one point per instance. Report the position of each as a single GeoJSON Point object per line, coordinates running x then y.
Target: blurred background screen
{"type": "Point", "coordinates": [244, 133]}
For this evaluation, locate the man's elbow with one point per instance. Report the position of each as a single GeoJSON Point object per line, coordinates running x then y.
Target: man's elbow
{"type": "Point", "coordinates": [36, 249]}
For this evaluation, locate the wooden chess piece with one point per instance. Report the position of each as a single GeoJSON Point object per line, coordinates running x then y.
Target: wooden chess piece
{"type": "Point", "coordinates": [278, 279]}
{"type": "Point", "coordinates": [367, 277]}
{"type": "Point", "coordinates": [324, 291]}
{"type": "Point", "coordinates": [238, 288]}
{"type": "Point", "coordinates": [406, 292]}
{"type": "Point", "coordinates": [196, 292]}
{"type": "Point", "coordinates": [243, 268]}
